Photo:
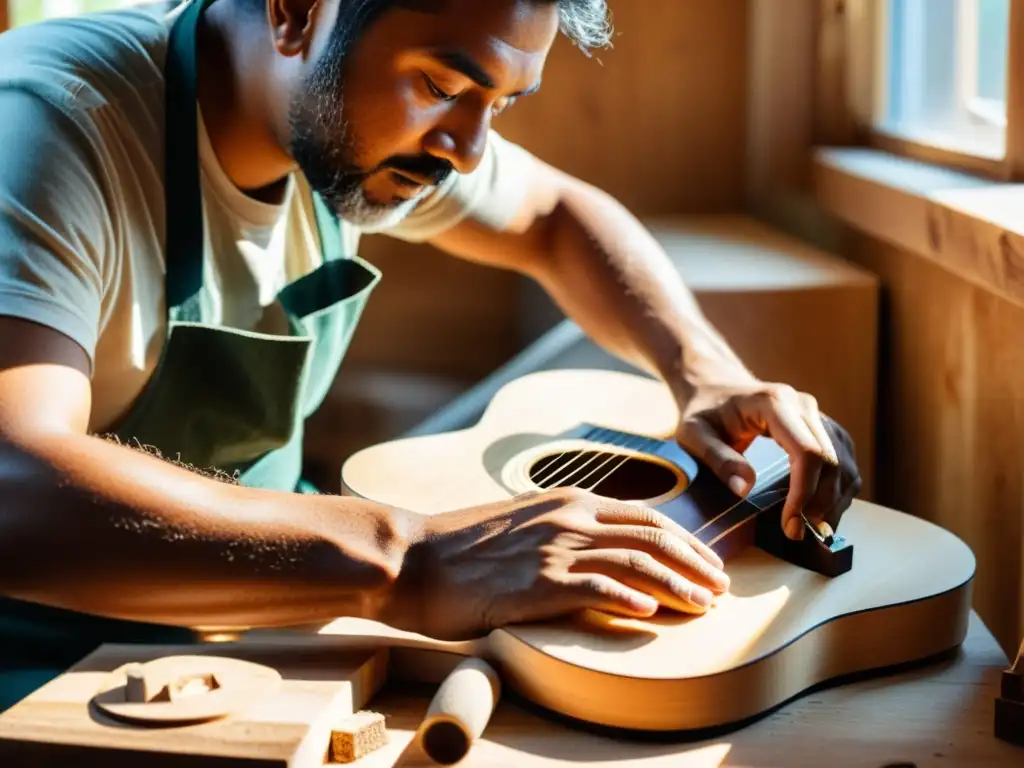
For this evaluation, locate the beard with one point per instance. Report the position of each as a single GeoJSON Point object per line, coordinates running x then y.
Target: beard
{"type": "Point", "coordinates": [326, 148]}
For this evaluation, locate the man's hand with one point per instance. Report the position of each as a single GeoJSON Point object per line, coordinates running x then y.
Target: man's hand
{"type": "Point", "coordinates": [549, 554]}
{"type": "Point", "coordinates": [718, 422]}
{"type": "Point", "coordinates": [609, 274]}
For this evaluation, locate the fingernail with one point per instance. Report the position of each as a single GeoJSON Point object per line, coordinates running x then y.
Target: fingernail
{"type": "Point", "coordinates": [716, 576]}
{"type": "Point", "coordinates": [795, 529]}
{"type": "Point", "coordinates": [644, 603]}
{"type": "Point", "coordinates": [701, 597]}
{"type": "Point", "coordinates": [738, 485]}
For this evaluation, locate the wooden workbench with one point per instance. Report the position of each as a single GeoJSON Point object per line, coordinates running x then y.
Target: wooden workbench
{"type": "Point", "coordinates": [940, 715]}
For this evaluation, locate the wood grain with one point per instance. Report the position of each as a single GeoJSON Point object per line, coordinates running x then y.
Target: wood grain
{"type": "Point", "coordinates": [835, 121]}
{"type": "Point", "coordinates": [968, 225]}
{"type": "Point", "coordinates": [951, 417]}
{"type": "Point", "coordinates": [781, 79]}
{"type": "Point", "coordinates": [949, 251]}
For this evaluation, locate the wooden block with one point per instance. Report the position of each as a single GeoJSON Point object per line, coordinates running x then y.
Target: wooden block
{"type": "Point", "coordinates": [357, 735]}
{"type": "Point", "coordinates": [267, 704]}
{"type": "Point", "coordinates": [1009, 721]}
{"type": "Point", "coordinates": [1009, 714]}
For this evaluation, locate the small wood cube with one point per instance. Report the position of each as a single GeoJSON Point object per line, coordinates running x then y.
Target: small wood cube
{"type": "Point", "coordinates": [356, 736]}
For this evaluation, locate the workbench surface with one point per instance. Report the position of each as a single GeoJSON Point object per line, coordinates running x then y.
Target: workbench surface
{"type": "Point", "coordinates": [939, 715]}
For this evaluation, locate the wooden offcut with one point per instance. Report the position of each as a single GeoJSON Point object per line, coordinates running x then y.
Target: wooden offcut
{"type": "Point", "coordinates": [357, 735]}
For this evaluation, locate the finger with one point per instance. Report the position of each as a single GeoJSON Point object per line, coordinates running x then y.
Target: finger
{"type": "Point", "coordinates": [728, 464]}
{"type": "Point", "coordinates": [812, 418]}
{"type": "Point", "coordinates": [843, 503]}
{"type": "Point", "coordinates": [666, 548]}
{"type": "Point", "coordinates": [643, 573]}
{"type": "Point", "coordinates": [825, 496]}
{"type": "Point", "coordinates": [788, 428]}
{"type": "Point", "coordinates": [599, 592]}
{"type": "Point", "coordinates": [638, 515]}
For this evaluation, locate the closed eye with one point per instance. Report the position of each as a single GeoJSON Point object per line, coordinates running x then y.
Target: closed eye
{"type": "Point", "coordinates": [437, 91]}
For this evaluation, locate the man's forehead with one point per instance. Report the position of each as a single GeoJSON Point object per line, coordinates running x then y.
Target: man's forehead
{"type": "Point", "coordinates": [527, 26]}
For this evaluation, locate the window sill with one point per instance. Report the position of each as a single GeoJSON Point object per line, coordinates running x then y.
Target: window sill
{"type": "Point", "coordinates": [970, 225]}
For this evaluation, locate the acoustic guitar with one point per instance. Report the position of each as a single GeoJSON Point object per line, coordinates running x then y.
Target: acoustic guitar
{"type": "Point", "coordinates": [886, 589]}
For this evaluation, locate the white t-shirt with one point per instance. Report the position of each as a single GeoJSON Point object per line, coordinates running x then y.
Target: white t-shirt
{"type": "Point", "coordinates": [82, 201]}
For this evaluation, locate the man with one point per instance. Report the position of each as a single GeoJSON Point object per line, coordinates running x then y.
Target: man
{"type": "Point", "coordinates": [180, 200]}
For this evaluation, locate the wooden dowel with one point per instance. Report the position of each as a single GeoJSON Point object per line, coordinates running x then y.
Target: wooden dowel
{"type": "Point", "coordinates": [460, 711]}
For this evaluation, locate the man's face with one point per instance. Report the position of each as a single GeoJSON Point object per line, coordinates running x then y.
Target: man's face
{"type": "Point", "coordinates": [379, 121]}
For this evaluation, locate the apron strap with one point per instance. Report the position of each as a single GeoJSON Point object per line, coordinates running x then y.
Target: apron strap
{"type": "Point", "coordinates": [184, 225]}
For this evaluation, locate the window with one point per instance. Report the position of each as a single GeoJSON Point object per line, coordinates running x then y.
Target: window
{"type": "Point", "coordinates": [944, 73]}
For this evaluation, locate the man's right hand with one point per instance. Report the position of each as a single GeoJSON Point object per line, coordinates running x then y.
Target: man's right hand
{"type": "Point", "coordinates": [548, 554]}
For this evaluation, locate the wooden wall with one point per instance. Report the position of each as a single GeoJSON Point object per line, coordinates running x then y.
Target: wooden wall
{"type": "Point", "coordinates": [658, 120]}
{"type": "Point", "coordinates": [950, 438]}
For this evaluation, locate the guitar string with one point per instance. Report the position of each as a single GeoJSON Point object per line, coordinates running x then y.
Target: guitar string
{"type": "Point", "coordinates": [611, 456]}
{"type": "Point", "coordinates": [714, 540]}
{"type": "Point", "coordinates": [768, 480]}
{"type": "Point", "coordinates": [554, 461]}
{"type": "Point", "coordinates": [639, 440]}
{"type": "Point", "coordinates": [753, 499]}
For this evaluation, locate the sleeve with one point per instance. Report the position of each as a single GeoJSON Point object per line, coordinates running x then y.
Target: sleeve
{"type": "Point", "coordinates": [54, 223]}
{"type": "Point", "coordinates": [492, 194]}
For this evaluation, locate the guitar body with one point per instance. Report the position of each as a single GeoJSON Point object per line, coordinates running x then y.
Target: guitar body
{"type": "Point", "coordinates": [890, 589]}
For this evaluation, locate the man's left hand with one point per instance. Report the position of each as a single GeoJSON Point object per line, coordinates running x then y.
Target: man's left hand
{"type": "Point", "coordinates": [719, 421]}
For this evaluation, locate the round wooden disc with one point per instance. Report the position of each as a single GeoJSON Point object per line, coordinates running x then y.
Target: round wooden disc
{"type": "Point", "coordinates": [237, 685]}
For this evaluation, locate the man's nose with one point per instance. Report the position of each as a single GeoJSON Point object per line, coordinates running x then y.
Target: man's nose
{"type": "Point", "coordinates": [461, 143]}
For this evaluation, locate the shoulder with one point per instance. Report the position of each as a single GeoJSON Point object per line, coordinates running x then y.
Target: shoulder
{"type": "Point", "coordinates": [84, 65]}
{"type": "Point", "coordinates": [82, 106]}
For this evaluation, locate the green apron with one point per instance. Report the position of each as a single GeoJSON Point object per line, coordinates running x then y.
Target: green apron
{"type": "Point", "coordinates": [219, 397]}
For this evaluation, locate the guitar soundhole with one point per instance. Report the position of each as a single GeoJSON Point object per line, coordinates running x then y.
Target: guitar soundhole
{"type": "Point", "coordinates": [612, 475]}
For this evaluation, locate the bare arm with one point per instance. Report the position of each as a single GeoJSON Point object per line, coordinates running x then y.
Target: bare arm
{"type": "Point", "coordinates": [92, 526]}
{"type": "Point", "coordinates": [609, 274]}
{"type": "Point", "coordinates": [606, 271]}
{"type": "Point", "coordinates": [97, 527]}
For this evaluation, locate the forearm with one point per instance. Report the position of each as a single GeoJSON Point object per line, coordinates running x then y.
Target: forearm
{"type": "Point", "coordinates": [92, 526]}
{"type": "Point", "coordinates": [611, 276]}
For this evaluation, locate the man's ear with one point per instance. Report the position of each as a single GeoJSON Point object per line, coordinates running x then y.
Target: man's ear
{"type": "Point", "coordinates": [292, 23]}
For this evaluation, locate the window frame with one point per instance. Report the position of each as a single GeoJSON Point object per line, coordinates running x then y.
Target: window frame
{"type": "Point", "coordinates": [867, 87]}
